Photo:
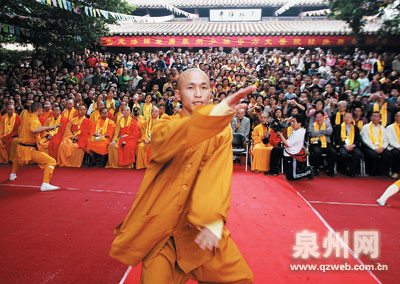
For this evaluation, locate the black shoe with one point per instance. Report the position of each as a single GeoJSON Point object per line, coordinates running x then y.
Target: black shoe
{"type": "Point", "coordinates": [270, 173]}
{"type": "Point", "coordinates": [310, 175]}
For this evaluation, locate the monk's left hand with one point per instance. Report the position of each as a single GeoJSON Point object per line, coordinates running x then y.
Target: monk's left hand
{"type": "Point", "coordinates": [206, 239]}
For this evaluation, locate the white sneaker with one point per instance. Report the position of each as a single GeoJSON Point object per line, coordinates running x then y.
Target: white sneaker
{"type": "Point", "coordinates": [380, 202]}
{"type": "Point", "coordinates": [12, 177]}
{"type": "Point", "coordinates": [48, 187]}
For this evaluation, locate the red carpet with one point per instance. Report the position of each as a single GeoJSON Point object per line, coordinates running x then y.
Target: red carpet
{"type": "Point", "coordinates": [265, 214]}
{"type": "Point", "coordinates": [64, 236]}
{"type": "Point", "coordinates": [357, 217]}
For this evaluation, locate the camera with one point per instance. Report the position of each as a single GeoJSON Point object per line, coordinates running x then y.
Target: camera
{"type": "Point", "coordinates": [278, 125]}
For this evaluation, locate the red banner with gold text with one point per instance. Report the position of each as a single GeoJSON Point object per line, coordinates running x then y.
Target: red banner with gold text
{"type": "Point", "coordinates": [227, 41]}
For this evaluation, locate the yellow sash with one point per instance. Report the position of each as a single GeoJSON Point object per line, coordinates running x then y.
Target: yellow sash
{"type": "Point", "coordinates": [101, 129]}
{"type": "Point", "coordinates": [261, 133]}
{"type": "Point", "coordinates": [344, 136]}
{"type": "Point", "coordinates": [289, 130]}
{"type": "Point", "coordinates": [68, 115]}
{"type": "Point", "coordinates": [380, 65]}
{"type": "Point", "coordinates": [123, 120]}
{"type": "Point", "coordinates": [397, 131]}
{"type": "Point", "coordinates": [79, 125]}
{"type": "Point", "coordinates": [359, 124]}
{"type": "Point", "coordinates": [147, 110]}
{"type": "Point", "coordinates": [149, 127]}
{"type": "Point", "coordinates": [383, 112]}
{"type": "Point", "coordinates": [9, 124]}
{"type": "Point", "coordinates": [54, 122]}
{"type": "Point", "coordinates": [372, 135]}
{"type": "Point", "coordinates": [110, 104]}
{"type": "Point", "coordinates": [321, 138]}
{"type": "Point", "coordinates": [338, 118]}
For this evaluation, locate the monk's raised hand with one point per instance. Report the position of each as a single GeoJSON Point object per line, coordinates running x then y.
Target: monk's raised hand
{"type": "Point", "coordinates": [233, 100]}
{"type": "Point", "coordinates": [206, 239]}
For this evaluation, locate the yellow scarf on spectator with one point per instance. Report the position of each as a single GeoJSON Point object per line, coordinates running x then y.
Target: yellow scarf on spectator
{"type": "Point", "coordinates": [147, 110]}
{"type": "Point", "coordinates": [359, 124]}
{"type": "Point", "coordinates": [397, 131]}
{"type": "Point", "coordinates": [380, 65]}
{"type": "Point", "coordinates": [289, 130]}
{"type": "Point", "coordinates": [383, 112]}
{"type": "Point", "coordinates": [9, 124]}
{"type": "Point", "coordinates": [344, 136]}
{"type": "Point", "coordinates": [372, 135]}
{"type": "Point", "coordinates": [321, 138]}
{"type": "Point", "coordinates": [338, 118]}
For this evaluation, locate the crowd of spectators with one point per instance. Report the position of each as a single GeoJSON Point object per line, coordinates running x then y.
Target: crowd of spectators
{"type": "Point", "coordinates": [330, 90]}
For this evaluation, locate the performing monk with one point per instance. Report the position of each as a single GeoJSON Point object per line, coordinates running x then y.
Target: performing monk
{"type": "Point", "coordinates": [143, 149]}
{"type": "Point", "coordinates": [122, 149]}
{"type": "Point", "coordinates": [51, 139]}
{"type": "Point", "coordinates": [70, 112]}
{"type": "Point", "coordinates": [262, 147]}
{"type": "Point", "coordinates": [9, 124]}
{"type": "Point", "coordinates": [176, 224]}
{"type": "Point", "coordinates": [27, 150]}
{"type": "Point", "coordinates": [100, 137]}
{"type": "Point", "coordinates": [74, 145]}
{"type": "Point", "coordinates": [47, 113]}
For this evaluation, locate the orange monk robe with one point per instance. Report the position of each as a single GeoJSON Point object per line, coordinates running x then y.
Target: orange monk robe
{"type": "Point", "coordinates": [143, 148]}
{"type": "Point", "coordinates": [96, 116]}
{"type": "Point", "coordinates": [100, 145]}
{"type": "Point", "coordinates": [9, 133]}
{"type": "Point", "coordinates": [186, 185]}
{"type": "Point", "coordinates": [261, 152]}
{"type": "Point", "coordinates": [70, 153]}
{"type": "Point", "coordinates": [24, 114]}
{"type": "Point", "coordinates": [127, 133]}
{"type": "Point", "coordinates": [45, 116]}
{"type": "Point", "coordinates": [51, 146]}
{"type": "Point", "coordinates": [27, 149]}
{"type": "Point", "coordinates": [69, 114]}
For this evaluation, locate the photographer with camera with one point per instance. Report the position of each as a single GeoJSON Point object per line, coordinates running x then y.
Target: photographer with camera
{"type": "Point", "coordinates": [293, 153]}
{"type": "Point", "coordinates": [320, 143]}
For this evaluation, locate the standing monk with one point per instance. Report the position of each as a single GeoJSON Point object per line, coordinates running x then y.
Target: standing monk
{"type": "Point", "coordinates": [121, 153]}
{"type": "Point", "coordinates": [70, 112]}
{"type": "Point", "coordinates": [9, 124]}
{"type": "Point", "coordinates": [74, 145]}
{"type": "Point", "coordinates": [176, 224]}
{"type": "Point", "coordinates": [27, 150]}
{"type": "Point", "coordinates": [51, 139]}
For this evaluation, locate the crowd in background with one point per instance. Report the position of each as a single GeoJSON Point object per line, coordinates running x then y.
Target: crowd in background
{"type": "Point", "coordinates": [337, 94]}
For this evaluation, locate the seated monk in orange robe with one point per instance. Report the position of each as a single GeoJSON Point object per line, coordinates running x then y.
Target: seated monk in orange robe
{"type": "Point", "coordinates": [176, 224]}
{"type": "Point", "coordinates": [51, 139]}
{"type": "Point", "coordinates": [143, 148]}
{"type": "Point", "coordinates": [9, 124]}
{"type": "Point", "coordinates": [95, 116]}
{"type": "Point", "coordinates": [76, 136]}
{"type": "Point", "coordinates": [100, 137]}
{"type": "Point", "coordinates": [47, 113]}
{"type": "Point", "coordinates": [122, 149]}
{"type": "Point", "coordinates": [70, 112]}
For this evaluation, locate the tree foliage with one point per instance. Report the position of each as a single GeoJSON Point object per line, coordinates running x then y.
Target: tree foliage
{"type": "Point", "coordinates": [58, 30]}
{"type": "Point", "coordinates": [356, 13]}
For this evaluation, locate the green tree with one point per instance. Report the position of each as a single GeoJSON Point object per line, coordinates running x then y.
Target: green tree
{"type": "Point", "coordinates": [58, 30]}
{"type": "Point", "coordinates": [354, 12]}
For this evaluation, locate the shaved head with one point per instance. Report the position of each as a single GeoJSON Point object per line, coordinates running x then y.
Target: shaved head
{"type": "Point", "coordinates": [185, 75]}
